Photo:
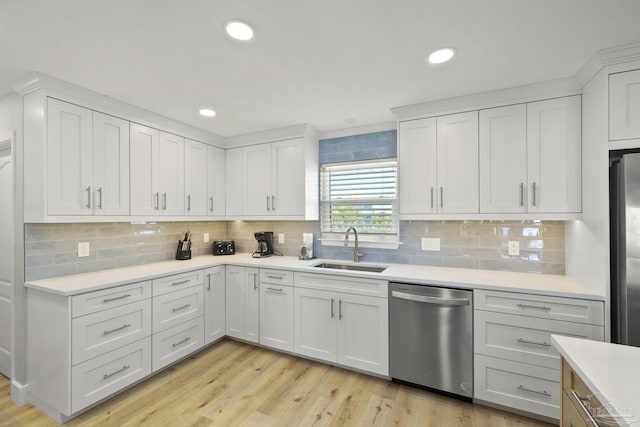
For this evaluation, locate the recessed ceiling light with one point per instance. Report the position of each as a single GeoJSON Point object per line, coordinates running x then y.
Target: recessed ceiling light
{"type": "Point", "coordinates": [239, 30]}
{"type": "Point", "coordinates": [207, 112]}
{"type": "Point", "coordinates": [442, 55]}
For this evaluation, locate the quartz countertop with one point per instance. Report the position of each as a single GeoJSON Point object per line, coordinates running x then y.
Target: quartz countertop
{"type": "Point", "coordinates": [609, 370]}
{"type": "Point", "coordinates": [541, 284]}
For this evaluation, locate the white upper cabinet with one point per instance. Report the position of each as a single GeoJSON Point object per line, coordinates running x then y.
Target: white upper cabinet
{"type": "Point", "coordinates": [195, 178]}
{"type": "Point", "coordinates": [554, 149]}
{"type": "Point", "coordinates": [256, 180]}
{"type": "Point", "coordinates": [216, 181]}
{"type": "Point", "coordinates": [503, 159]}
{"type": "Point", "coordinates": [287, 178]}
{"type": "Point", "coordinates": [171, 173]}
{"type": "Point", "coordinates": [88, 161]}
{"type": "Point", "coordinates": [624, 105]}
{"type": "Point", "coordinates": [234, 178]}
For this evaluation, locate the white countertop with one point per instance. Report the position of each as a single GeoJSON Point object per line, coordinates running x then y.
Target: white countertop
{"type": "Point", "coordinates": [610, 371]}
{"type": "Point", "coordinates": [541, 284]}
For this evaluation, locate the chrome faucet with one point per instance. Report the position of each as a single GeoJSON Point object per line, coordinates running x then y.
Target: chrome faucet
{"type": "Point", "coordinates": [356, 254]}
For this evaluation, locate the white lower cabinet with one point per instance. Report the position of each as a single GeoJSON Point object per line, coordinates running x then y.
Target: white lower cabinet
{"type": "Point", "coordinates": [276, 311]}
{"type": "Point", "coordinates": [242, 303]}
{"type": "Point", "coordinates": [177, 307]}
{"type": "Point", "coordinates": [214, 303]}
{"type": "Point", "coordinates": [177, 342]}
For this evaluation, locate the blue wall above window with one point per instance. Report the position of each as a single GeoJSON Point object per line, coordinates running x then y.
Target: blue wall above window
{"type": "Point", "coordinates": [368, 146]}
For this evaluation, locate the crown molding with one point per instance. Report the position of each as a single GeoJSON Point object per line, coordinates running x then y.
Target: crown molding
{"type": "Point", "coordinates": [606, 58]}
{"type": "Point", "coordinates": [272, 135]}
{"type": "Point", "coordinates": [359, 130]}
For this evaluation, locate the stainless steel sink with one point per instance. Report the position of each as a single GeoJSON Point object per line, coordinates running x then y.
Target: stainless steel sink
{"type": "Point", "coordinates": [353, 267]}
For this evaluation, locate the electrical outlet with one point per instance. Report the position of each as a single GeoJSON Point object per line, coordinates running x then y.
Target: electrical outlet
{"type": "Point", "coordinates": [281, 238]}
{"type": "Point", "coordinates": [206, 237]}
{"type": "Point", "coordinates": [430, 244]}
{"type": "Point", "coordinates": [83, 249]}
{"type": "Point", "coordinates": [514, 248]}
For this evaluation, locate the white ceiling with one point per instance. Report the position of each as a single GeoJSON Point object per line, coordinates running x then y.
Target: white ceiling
{"type": "Point", "coordinates": [317, 62]}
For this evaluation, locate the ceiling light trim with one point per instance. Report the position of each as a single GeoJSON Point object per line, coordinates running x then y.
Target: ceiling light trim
{"type": "Point", "coordinates": [442, 55]}
{"type": "Point", "coordinates": [243, 32]}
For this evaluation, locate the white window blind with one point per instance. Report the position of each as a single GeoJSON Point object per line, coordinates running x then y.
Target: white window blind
{"type": "Point", "coordinates": [360, 194]}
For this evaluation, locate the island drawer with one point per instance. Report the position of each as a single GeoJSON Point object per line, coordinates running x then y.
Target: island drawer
{"type": "Point", "coordinates": [104, 299]}
{"type": "Point", "coordinates": [177, 281]}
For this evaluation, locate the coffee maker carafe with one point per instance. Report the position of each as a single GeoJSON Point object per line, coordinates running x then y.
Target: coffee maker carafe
{"type": "Point", "coordinates": [265, 244]}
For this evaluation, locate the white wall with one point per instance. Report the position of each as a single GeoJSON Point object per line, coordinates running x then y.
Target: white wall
{"type": "Point", "coordinates": [7, 264]}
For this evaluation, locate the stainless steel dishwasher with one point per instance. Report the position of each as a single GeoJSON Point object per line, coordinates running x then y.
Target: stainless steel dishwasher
{"type": "Point", "coordinates": [431, 337]}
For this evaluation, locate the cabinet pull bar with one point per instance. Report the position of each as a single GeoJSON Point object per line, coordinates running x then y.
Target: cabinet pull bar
{"type": "Point", "coordinates": [100, 199]}
{"type": "Point", "coordinates": [533, 194]}
{"type": "Point", "coordinates": [164, 201]}
{"type": "Point", "coordinates": [211, 200]}
{"type": "Point", "coordinates": [522, 194]}
{"type": "Point", "coordinates": [156, 206]}
{"type": "Point", "coordinates": [88, 190]}
{"type": "Point", "coordinates": [580, 401]}
{"type": "Point", "coordinates": [209, 281]}
{"type": "Point", "coordinates": [535, 307]}
{"type": "Point", "coordinates": [543, 344]}
{"type": "Point", "coordinates": [116, 298]}
{"type": "Point", "coordinates": [273, 203]}
{"type": "Point", "coordinates": [255, 281]}
{"type": "Point", "coordinates": [431, 197]}
{"type": "Point", "coordinates": [274, 277]}
{"type": "Point", "coordinates": [124, 368]}
{"type": "Point", "coordinates": [543, 392]}
{"type": "Point", "coordinates": [189, 202]}
{"type": "Point", "coordinates": [181, 342]}
{"type": "Point", "coordinates": [125, 326]}
{"type": "Point", "coordinates": [332, 314]}
{"type": "Point", "coordinates": [441, 197]}
{"type": "Point", "coordinates": [180, 283]}
{"type": "Point", "coordinates": [173, 310]}
{"type": "Point", "coordinates": [339, 309]}
{"type": "Point", "coordinates": [274, 289]}
{"type": "Point", "coordinates": [267, 202]}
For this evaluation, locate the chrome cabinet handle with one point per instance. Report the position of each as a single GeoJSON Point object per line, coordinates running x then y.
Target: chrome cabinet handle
{"type": "Point", "coordinates": [88, 190]}
{"type": "Point", "coordinates": [164, 201]}
{"type": "Point", "coordinates": [180, 283]}
{"type": "Point", "coordinates": [255, 282]}
{"type": "Point", "coordinates": [543, 392]}
{"type": "Point", "coordinates": [535, 307]}
{"type": "Point", "coordinates": [429, 299]}
{"type": "Point", "coordinates": [332, 314]}
{"type": "Point", "coordinates": [189, 202]}
{"type": "Point", "coordinates": [100, 198]}
{"type": "Point", "coordinates": [116, 298]}
{"type": "Point", "coordinates": [125, 326]}
{"type": "Point", "coordinates": [431, 197]}
{"type": "Point", "coordinates": [181, 342]}
{"type": "Point", "coordinates": [124, 368]}
{"type": "Point", "coordinates": [211, 200]}
{"type": "Point", "coordinates": [275, 289]}
{"type": "Point", "coordinates": [441, 197]}
{"type": "Point", "coordinates": [173, 310]}
{"type": "Point", "coordinates": [274, 277]}
{"type": "Point", "coordinates": [533, 194]}
{"type": "Point", "coordinates": [522, 194]}
{"type": "Point", "coordinates": [209, 281]}
{"type": "Point", "coordinates": [339, 309]}
{"type": "Point", "coordinates": [543, 344]}
{"type": "Point", "coordinates": [273, 203]}
{"type": "Point", "coordinates": [268, 203]}
{"type": "Point", "coordinates": [580, 401]}
{"type": "Point", "coordinates": [156, 206]}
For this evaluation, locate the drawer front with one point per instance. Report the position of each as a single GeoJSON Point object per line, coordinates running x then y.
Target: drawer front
{"type": "Point", "coordinates": [276, 277]}
{"type": "Point", "coordinates": [102, 376]}
{"type": "Point", "coordinates": [177, 307]}
{"type": "Point", "coordinates": [576, 392]}
{"type": "Point", "coordinates": [525, 339]}
{"type": "Point", "coordinates": [177, 342]}
{"type": "Point", "coordinates": [517, 385]}
{"type": "Point", "coordinates": [347, 284]}
{"type": "Point", "coordinates": [108, 298]}
{"type": "Point", "coordinates": [101, 332]}
{"type": "Point", "coordinates": [177, 282]}
{"type": "Point", "coordinates": [557, 308]}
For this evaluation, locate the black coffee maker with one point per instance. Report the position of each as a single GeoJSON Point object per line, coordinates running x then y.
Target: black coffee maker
{"type": "Point", "coordinates": [265, 244]}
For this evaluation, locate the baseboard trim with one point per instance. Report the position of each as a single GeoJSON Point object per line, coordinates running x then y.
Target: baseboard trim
{"type": "Point", "coordinates": [19, 393]}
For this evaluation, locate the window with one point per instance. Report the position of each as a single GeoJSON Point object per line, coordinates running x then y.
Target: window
{"type": "Point", "coordinates": [362, 195]}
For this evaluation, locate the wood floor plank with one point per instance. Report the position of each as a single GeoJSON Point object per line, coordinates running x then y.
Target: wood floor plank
{"type": "Point", "coordinates": [237, 384]}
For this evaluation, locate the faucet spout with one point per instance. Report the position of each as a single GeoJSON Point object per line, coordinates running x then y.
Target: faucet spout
{"type": "Point", "coordinates": [356, 255]}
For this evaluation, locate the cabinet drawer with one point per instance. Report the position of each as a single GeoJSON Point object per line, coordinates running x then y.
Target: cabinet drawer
{"type": "Point", "coordinates": [177, 307]}
{"type": "Point", "coordinates": [557, 308]}
{"type": "Point", "coordinates": [107, 298]}
{"type": "Point", "coordinates": [276, 277]}
{"type": "Point", "coordinates": [525, 339]}
{"type": "Point", "coordinates": [347, 284]}
{"type": "Point", "coordinates": [517, 385]}
{"type": "Point", "coordinates": [102, 376]}
{"type": "Point", "coordinates": [106, 330]}
{"type": "Point", "coordinates": [177, 281]}
{"type": "Point", "coordinates": [177, 342]}
{"type": "Point", "coordinates": [575, 389]}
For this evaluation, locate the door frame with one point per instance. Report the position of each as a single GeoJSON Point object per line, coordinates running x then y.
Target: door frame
{"type": "Point", "coordinates": [7, 144]}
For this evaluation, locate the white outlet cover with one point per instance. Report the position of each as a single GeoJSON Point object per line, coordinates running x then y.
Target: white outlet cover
{"type": "Point", "coordinates": [514, 248]}
{"type": "Point", "coordinates": [281, 238]}
{"type": "Point", "coordinates": [206, 237]}
{"type": "Point", "coordinates": [430, 244]}
{"type": "Point", "coordinates": [84, 249]}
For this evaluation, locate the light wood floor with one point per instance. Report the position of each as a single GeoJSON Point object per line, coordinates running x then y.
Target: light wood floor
{"type": "Point", "coordinates": [233, 383]}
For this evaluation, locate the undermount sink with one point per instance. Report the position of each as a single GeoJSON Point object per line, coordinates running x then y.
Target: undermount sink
{"type": "Point", "coordinates": [354, 267]}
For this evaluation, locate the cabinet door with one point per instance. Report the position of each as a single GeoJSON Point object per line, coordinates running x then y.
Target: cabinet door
{"type": "Point", "coordinates": [110, 165]}
{"type": "Point", "coordinates": [171, 173]}
{"type": "Point", "coordinates": [287, 177]}
{"type": "Point", "coordinates": [503, 159]}
{"type": "Point", "coordinates": [69, 159]}
{"type": "Point", "coordinates": [314, 326]}
{"type": "Point", "coordinates": [554, 155]}
{"type": "Point", "coordinates": [276, 316]}
{"type": "Point", "coordinates": [216, 181]}
{"type": "Point", "coordinates": [624, 105]}
{"type": "Point", "coordinates": [458, 163]}
{"type": "Point", "coordinates": [145, 194]}
{"type": "Point", "coordinates": [234, 297]}
{"type": "Point", "coordinates": [234, 174]}
{"type": "Point", "coordinates": [417, 172]}
{"type": "Point", "coordinates": [363, 333]}
{"type": "Point", "coordinates": [252, 305]}
{"type": "Point", "coordinates": [195, 178]}
{"type": "Point", "coordinates": [256, 181]}
{"type": "Point", "coordinates": [214, 303]}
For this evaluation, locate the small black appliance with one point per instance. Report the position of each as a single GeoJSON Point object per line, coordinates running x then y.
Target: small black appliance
{"type": "Point", "coordinates": [265, 244]}
{"type": "Point", "coordinates": [224, 247]}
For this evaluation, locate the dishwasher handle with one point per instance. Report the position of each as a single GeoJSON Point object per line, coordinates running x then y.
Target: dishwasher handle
{"type": "Point", "coordinates": [430, 300]}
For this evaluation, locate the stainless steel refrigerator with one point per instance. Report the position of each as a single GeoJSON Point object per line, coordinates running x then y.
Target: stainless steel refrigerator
{"type": "Point", "coordinates": [624, 181]}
